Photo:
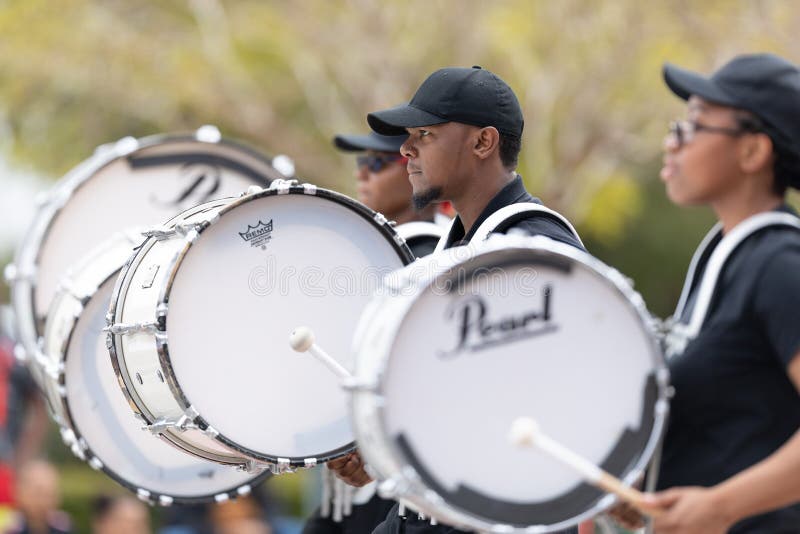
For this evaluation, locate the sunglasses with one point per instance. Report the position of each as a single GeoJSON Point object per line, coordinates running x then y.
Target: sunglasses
{"type": "Point", "coordinates": [377, 163]}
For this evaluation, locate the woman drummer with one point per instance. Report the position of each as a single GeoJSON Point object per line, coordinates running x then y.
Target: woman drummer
{"type": "Point", "coordinates": [731, 458]}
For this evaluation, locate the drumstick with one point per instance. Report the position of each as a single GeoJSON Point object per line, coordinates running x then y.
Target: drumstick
{"type": "Point", "coordinates": [525, 432]}
{"type": "Point", "coordinates": [302, 340]}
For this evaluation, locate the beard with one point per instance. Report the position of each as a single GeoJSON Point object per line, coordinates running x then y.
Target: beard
{"type": "Point", "coordinates": [423, 200]}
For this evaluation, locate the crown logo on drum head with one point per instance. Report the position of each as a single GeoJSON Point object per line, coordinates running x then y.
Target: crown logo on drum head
{"type": "Point", "coordinates": [258, 235]}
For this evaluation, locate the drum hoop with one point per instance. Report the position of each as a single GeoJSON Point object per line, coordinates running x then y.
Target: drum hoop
{"type": "Point", "coordinates": [89, 455]}
{"type": "Point", "coordinates": [28, 255]}
{"type": "Point", "coordinates": [376, 219]}
{"type": "Point", "coordinates": [121, 285]}
{"type": "Point", "coordinates": [417, 490]}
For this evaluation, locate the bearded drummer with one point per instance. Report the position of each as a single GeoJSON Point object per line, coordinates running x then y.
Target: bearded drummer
{"type": "Point", "coordinates": [464, 128]}
{"type": "Point", "coordinates": [383, 186]}
{"type": "Point", "coordinates": [382, 181]}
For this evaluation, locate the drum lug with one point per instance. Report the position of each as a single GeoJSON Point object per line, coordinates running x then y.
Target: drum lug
{"type": "Point", "coordinates": [95, 463]}
{"type": "Point", "coordinates": [20, 353]}
{"type": "Point", "coordinates": [309, 189]}
{"type": "Point", "coordinates": [284, 165]}
{"type": "Point", "coordinates": [125, 146]}
{"type": "Point", "coordinates": [253, 466]}
{"type": "Point", "coordinates": [161, 424]}
{"type": "Point", "coordinates": [10, 273]}
{"type": "Point", "coordinates": [380, 219]}
{"type": "Point", "coordinates": [309, 463]}
{"type": "Point", "coordinates": [211, 432]}
{"type": "Point", "coordinates": [143, 495]}
{"type": "Point", "coordinates": [13, 274]}
{"type": "Point", "coordinates": [283, 465]}
{"type": "Point", "coordinates": [179, 230]}
{"type": "Point", "coordinates": [123, 329]}
{"type": "Point", "coordinates": [165, 500]}
{"type": "Point", "coordinates": [282, 186]}
{"type": "Point", "coordinates": [356, 385]}
{"type": "Point", "coordinates": [208, 133]}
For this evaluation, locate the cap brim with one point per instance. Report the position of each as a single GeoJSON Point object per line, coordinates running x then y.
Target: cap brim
{"type": "Point", "coordinates": [394, 121]}
{"type": "Point", "coordinates": [686, 83]}
{"type": "Point", "coordinates": [379, 143]}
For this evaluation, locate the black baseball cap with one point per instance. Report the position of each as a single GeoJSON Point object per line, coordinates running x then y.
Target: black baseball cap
{"type": "Point", "coordinates": [455, 94]}
{"type": "Point", "coordinates": [371, 141]}
{"type": "Point", "coordinates": [766, 85]}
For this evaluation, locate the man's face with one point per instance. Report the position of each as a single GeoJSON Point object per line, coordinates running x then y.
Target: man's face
{"type": "Point", "coordinates": [703, 168]}
{"type": "Point", "coordinates": [383, 183]}
{"type": "Point", "coordinates": [438, 157]}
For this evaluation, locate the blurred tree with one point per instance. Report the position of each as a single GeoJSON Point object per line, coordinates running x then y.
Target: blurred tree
{"type": "Point", "coordinates": [287, 76]}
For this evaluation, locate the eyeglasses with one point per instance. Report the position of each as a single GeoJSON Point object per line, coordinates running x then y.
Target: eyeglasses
{"type": "Point", "coordinates": [684, 131]}
{"type": "Point", "coordinates": [377, 163]}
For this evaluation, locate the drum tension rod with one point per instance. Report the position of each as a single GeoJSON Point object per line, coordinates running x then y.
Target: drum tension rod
{"type": "Point", "coordinates": [122, 328]}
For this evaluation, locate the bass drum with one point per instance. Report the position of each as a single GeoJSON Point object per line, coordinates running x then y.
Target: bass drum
{"type": "Point", "coordinates": [131, 183]}
{"type": "Point", "coordinates": [97, 423]}
{"type": "Point", "coordinates": [463, 342]}
{"type": "Point", "coordinates": [200, 321]}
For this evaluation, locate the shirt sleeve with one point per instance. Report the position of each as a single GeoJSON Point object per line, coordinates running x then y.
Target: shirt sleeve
{"type": "Point", "coordinates": [777, 303]}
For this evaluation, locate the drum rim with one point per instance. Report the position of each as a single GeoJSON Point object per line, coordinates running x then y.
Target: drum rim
{"type": "Point", "coordinates": [138, 406]}
{"type": "Point", "coordinates": [27, 257]}
{"type": "Point", "coordinates": [376, 219]}
{"type": "Point", "coordinates": [371, 389]}
{"type": "Point", "coordinates": [87, 452]}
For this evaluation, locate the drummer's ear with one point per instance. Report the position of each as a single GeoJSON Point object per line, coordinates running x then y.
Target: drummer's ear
{"type": "Point", "coordinates": [487, 142]}
{"type": "Point", "coordinates": [755, 153]}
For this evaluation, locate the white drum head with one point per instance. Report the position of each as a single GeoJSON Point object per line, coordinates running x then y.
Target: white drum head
{"type": "Point", "coordinates": [127, 185]}
{"type": "Point", "coordinates": [518, 333]}
{"type": "Point", "coordinates": [99, 415]}
{"type": "Point", "coordinates": [266, 266]}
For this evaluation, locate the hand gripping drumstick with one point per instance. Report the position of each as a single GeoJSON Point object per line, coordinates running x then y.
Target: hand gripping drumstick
{"type": "Point", "coordinates": [302, 340]}
{"type": "Point", "coordinates": [525, 432]}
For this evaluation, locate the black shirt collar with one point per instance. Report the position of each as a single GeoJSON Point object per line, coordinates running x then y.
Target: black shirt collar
{"type": "Point", "coordinates": [512, 193]}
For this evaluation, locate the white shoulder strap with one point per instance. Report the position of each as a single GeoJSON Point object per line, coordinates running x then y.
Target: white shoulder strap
{"type": "Point", "coordinates": [413, 229]}
{"type": "Point", "coordinates": [690, 274]}
{"type": "Point", "coordinates": [496, 219]}
{"type": "Point", "coordinates": [445, 232]}
{"type": "Point", "coordinates": [716, 262]}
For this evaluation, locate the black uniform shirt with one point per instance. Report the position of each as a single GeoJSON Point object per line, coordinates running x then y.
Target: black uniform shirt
{"type": "Point", "coordinates": [533, 224]}
{"type": "Point", "coordinates": [734, 403]}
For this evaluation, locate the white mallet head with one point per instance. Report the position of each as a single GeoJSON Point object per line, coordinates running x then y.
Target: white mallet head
{"type": "Point", "coordinates": [301, 338]}
{"type": "Point", "coordinates": [524, 431]}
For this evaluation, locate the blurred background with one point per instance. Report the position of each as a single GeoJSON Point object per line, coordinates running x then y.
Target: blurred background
{"type": "Point", "coordinates": [285, 77]}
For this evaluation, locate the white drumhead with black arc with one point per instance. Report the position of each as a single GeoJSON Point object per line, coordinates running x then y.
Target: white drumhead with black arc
{"type": "Point", "coordinates": [512, 331]}
{"type": "Point", "coordinates": [132, 183]}
{"type": "Point", "coordinates": [98, 423]}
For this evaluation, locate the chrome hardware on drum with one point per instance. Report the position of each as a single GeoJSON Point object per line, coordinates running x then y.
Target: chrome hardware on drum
{"type": "Point", "coordinates": [96, 421]}
{"type": "Point", "coordinates": [200, 317]}
{"type": "Point", "coordinates": [462, 343]}
{"type": "Point", "coordinates": [131, 183]}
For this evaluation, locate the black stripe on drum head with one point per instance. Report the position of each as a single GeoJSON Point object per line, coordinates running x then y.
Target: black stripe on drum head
{"type": "Point", "coordinates": [137, 162]}
{"type": "Point", "coordinates": [581, 498]}
{"type": "Point", "coordinates": [454, 280]}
